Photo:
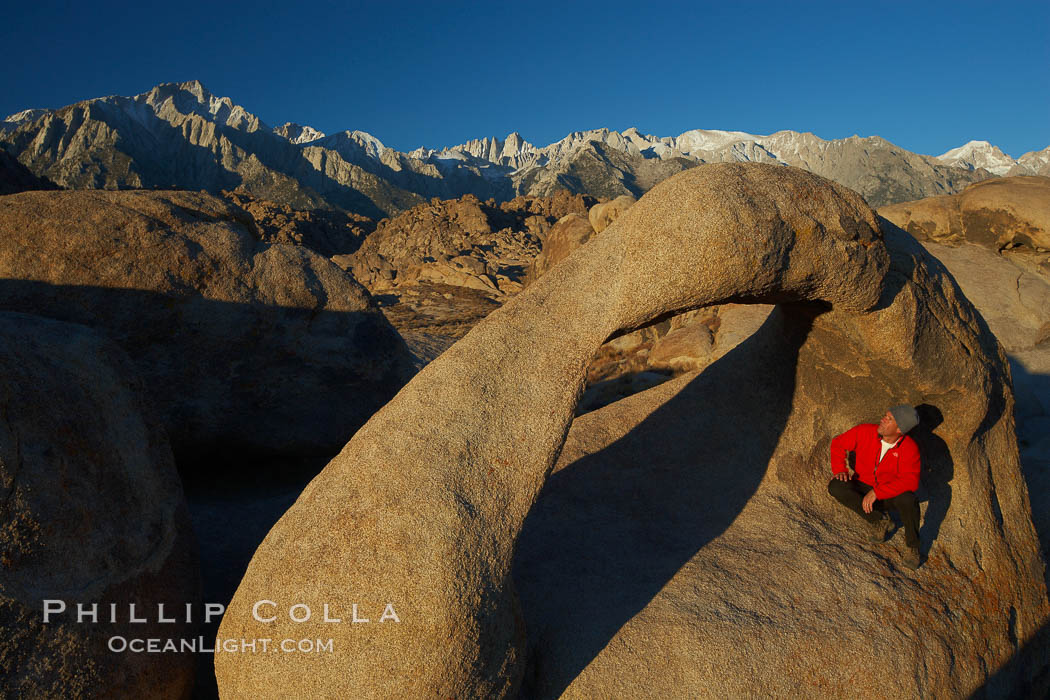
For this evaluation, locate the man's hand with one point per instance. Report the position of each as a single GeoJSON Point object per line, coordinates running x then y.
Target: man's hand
{"type": "Point", "coordinates": [869, 501]}
{"type": "Point", "coordinates": [841, 476]}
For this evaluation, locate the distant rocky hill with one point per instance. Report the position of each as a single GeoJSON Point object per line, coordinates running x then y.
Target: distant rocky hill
{"type": "Point", "coordinates": [15, 177]}
{"type": "Point", "coordinates": [462, 242]}
{"type": "Point", "coordinates": [179, 135]}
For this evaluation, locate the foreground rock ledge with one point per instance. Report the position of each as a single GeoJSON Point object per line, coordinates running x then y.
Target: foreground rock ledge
{"type": "Point", "coordinates": [424, 506]}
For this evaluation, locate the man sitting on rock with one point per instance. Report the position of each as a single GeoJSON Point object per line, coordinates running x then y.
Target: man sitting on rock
{"type": "Point", "coordinates": [886, 475]}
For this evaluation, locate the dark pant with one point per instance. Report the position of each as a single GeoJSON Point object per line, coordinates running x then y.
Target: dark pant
{"type": "Point", "coordinates": [851, 493]}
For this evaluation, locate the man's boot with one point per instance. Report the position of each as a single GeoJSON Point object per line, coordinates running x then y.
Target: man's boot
{"type": "Point", "coordinates": [911, 557]}
{"type": "Point", "coordinates": [877, 530]}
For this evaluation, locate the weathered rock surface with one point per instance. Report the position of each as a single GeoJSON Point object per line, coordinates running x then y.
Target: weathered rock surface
{"type": "Point", "coordinates": [682, 347]}
{"type": "Point", "coordinates": [1013, 296]}
{"type": "Point", "coordinates": [436, 309]}
{"type": "Point", "coordinates": [92, 512]}
{"type": "Point", "coordinates": [242, 345]}
{"type": "Point", "coordinates": [643, 358]}
{"type": "Point", "coordinates": [687, 530]}
{"type": "Point", "coordinates": [573, 230]}
{"type": "Point", "coordinates": [476, 432]}
{"type": "Point", "coordinates": [1000, 213]}
{"type": "Point", "coordinates": [462, 242]}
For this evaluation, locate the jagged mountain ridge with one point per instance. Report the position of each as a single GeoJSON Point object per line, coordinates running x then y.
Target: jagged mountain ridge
{"type": "Point", "coordinates": [296, 133]}
{"type": "Point", "coordinates": [981, 154]}
{"type": "Point", "coordinates": [180, 135]}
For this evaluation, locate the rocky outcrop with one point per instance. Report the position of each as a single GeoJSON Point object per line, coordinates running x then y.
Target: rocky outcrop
{"type": "Point", "coordinates": [463, 242]}
{"type": "Point", "coordinates": [992, 240]}
{"type": "Point", "coordinates": [244, 346]}
{"type": "Point", "coordinates": [329, 233]}
{"type": "Point", "coordinates": [476, 432]}
{"type": "Point", "coordinates": [999, 214]}
{"type": "Point", "coordinates": [573, 230]}
{"type": "Point", "coordinates": [91, 512]}
{"type": "Point", "coordinates": [687, 530]}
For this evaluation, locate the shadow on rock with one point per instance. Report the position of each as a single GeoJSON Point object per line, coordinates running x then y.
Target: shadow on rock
{"type": "Point", "coordinates": [1004, 682]}
{"type": "Point", "coordinates": [937, 471]}
{"type": "Point", "coordinates": [587, 563]}
{"type": "Point", "coordinates": [1033, 441]}
{"type": "Point", "coordinates": [238, 380]}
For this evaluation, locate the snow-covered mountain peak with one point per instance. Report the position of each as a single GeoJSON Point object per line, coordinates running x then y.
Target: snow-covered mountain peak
{"type": "Point", "coordinates": [968, 148]}
{"type": "Point", "coordinates": [979, 154]}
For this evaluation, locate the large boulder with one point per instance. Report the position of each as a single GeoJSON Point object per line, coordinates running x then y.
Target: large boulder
{"type": "Point", "coordinates": [93, 513]}
{"type": "Point", "coordinates": [686, 544]}
{"type": "Point", "coordinates": [997, 213]}
{"type": "Point", "coordinates": [603, 214]}
{"type": "Point", "coordinates": [243, 345]}
{"type": "Point", "coordinates": [420, 513]}
{"type": "Point", "coordinates": [569, 233]}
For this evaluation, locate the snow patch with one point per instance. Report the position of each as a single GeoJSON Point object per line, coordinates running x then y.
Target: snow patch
{"type": "Point", "coordinates": [979, 154]}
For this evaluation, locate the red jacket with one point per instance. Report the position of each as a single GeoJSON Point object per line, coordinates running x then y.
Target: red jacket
{"type": "Point", "coordinates": [896, 473]}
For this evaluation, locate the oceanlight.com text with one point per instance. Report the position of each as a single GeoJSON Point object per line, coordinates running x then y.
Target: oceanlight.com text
{"type": "Point", "coordinates": [154, 645]}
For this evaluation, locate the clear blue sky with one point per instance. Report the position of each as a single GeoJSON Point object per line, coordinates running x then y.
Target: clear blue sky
{"type": "Point", "coordinates": [928, 76]}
